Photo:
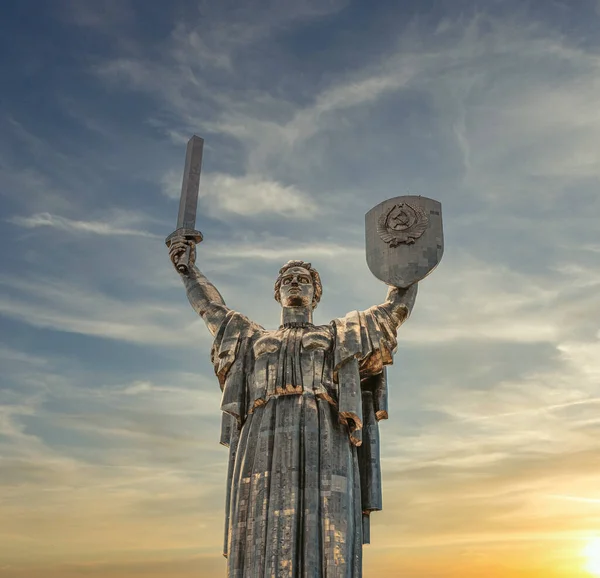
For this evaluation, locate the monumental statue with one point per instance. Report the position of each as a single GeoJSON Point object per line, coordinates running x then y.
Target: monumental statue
{"type": "Point", "coordinates": [301, 403]}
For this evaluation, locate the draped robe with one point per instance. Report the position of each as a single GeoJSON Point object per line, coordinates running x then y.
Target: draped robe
{"type": "Point", "coordinates": [301, 407]}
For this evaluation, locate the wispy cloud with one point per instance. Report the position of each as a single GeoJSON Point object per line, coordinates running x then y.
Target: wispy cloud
{"type": "Point", "coordinates": [67, 307]}
{"type": "Point", "coordinates": [62, 451]}
{"type": "Point", "coordinates": [576, 499]}
{"type": "Point", "coordinates": [310, 119]}
{"type": "Point", "coordinates": [250, 195]}
{"type": "Point", "coordinates": [76, 226]}
{"type": "Point", "coordinates": [98, 15]}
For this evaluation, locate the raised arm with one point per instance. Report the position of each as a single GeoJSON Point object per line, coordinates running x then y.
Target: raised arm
{"type": "Point", "coordinates": [370, 335]}
{"type": "Point", "coordinates": [201, 293]}
{"type": "Point", "coordinates": [399, 302]}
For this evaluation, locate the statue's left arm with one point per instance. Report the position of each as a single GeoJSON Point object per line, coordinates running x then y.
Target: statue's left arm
{"type": "Point", "coordinates": [365, 342]}
{"type": "Point", "coordinates": [399, 303]}
{"type": "Point", "coordinates": [370, 336]}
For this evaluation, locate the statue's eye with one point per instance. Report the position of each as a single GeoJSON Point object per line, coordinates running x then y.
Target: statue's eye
{"type": "Point", "coordinates": [286, 281]}
{"type": "Point", "coordinates": [304, 280]}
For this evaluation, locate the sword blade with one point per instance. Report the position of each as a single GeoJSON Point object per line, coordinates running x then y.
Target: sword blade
{"type": "Point", "coordinates": [188, 204]}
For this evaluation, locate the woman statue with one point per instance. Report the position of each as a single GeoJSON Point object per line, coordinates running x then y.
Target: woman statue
{"type": "Point", "coordinates": [300, 410]}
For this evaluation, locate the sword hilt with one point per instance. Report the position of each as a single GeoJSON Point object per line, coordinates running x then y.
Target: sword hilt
{"type": "Point", "coordinates": [183, 265]}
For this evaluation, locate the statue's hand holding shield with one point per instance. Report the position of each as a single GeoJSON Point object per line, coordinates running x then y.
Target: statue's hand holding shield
{"type": "Point", "coordinates": [404, 239]}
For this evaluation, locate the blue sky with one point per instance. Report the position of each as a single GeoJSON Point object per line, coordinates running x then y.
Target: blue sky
{"type": "Point", "coordinates": [312, 113]}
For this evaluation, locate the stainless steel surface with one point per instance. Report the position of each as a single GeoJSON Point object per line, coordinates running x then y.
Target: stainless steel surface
{"type": "Point", "coordinates": [404, 239]}
{"type": "Point", "coordinates": [301, 407]}
{"type": "Point", "coordinates": [188, 203]}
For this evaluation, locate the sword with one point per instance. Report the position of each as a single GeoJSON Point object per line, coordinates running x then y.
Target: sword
{"type": "Point", "coordinates": [188, 203]}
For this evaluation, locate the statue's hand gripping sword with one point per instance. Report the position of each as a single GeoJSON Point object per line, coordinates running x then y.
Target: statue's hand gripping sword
{"type": "Point", "coordinates": [188, 204]}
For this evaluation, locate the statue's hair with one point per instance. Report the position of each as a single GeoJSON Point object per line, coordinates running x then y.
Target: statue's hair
{"type": "Point", "coordinates": [316, 280]}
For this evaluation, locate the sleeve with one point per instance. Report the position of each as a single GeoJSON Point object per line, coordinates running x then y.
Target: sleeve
{"type": "Point", "coordinates": [369, 336]}
{"type": "Point", "coordinates": [231, 358]}
{"type": "Point", "coordinates": [365, 342]}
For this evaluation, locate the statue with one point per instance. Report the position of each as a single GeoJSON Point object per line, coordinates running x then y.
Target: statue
{"type": "Point", "coordinates": [301, 406]}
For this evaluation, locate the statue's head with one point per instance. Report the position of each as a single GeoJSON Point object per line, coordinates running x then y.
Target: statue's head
{"type": "Point", "coordinates": [298, 285]}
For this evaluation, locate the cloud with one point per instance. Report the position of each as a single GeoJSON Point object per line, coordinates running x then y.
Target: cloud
{"type": "Point", "coordinates": [249, 196]}
{"type": "Point", "coordinates": [280, 249]}
{"type": "Point", "coordinates": [99, 15]}
{"type": "Point", "coordinates": [14, 356]}
{"type": "Point", "coordinates": [485, 301]}
{"type": "Point", "coordinates": [266, 139]}
{"type": "Point", "coordinates": [76, 226]}
{"type": "Point", "coordinates": [273, 129]}
{"type": "Point", "coordinates": [233, 28]}
{"type": "Point", "coordinates": [67, 450]}
{"type": "Point", "coordinates": [43, 172]}
{"type": "Point", "coordinates": [517, 142]}
{"type": "Point", "coordinates": [252, 195]}
{"type": "Point", "coordinates": [541, 129]}
{"type": "Point", "coordinates": [494, 116]}
{"type": "Point", "coordinates": [73, 421]}
{"type": "Point", "coordinates": [576, 499]}
{"type": "Point", "coordinates": [179, 563]}
{"type": "Point", "coordinates": [65, 306]}
{"type": "Point", "coordinates": [32, 187]}
{"type": "Point", "coordinates": [171, 184]}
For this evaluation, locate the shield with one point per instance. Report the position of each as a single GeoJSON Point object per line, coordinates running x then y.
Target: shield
{"type": "Point", "coordinates": [404, 237]}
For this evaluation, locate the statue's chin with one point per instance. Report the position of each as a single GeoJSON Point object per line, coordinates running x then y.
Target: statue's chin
{"type": "Point", "coordinates": [294, 302]}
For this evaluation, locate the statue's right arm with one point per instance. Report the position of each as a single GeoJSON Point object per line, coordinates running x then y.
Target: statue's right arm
{"type": "Point", "coordinates": [205, 299]}
{"type": "Point", "coordinates": [201, 293]}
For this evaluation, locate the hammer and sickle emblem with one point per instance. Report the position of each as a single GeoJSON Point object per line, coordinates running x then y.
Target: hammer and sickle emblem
{"type": "Point", "coordinates": [403, 223]}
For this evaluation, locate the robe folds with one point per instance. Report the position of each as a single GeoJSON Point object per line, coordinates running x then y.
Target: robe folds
{"type": "Point", "coordinates": [301, 407]}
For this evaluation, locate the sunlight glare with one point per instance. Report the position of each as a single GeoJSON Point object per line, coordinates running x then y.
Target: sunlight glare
{"type": "Point", "coordinates": [592, 554]}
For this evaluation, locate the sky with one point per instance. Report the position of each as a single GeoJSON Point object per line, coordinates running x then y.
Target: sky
{"type": "Point", "coordinates": [313, 112]}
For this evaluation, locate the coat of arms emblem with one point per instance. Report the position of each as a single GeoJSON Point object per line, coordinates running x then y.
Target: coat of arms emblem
{"type": "Point", "coordinates": [405, 241]}
{"type": "Point", "coordinates": [403, 223]}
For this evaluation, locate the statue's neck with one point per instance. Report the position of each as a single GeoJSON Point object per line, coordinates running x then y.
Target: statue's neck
{"type": "Point", "coordinates": [296, 315]}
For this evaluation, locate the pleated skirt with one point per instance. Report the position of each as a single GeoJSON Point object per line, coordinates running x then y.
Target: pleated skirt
{"type": "Point", "coordinates": [295, 498]}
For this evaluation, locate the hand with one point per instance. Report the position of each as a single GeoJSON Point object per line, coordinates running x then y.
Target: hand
{"type": "Point", "coordinates": [403, 296]}
{"type": "Point", "coordinates": [409, 294]}
{"type": "Point", "coordinates": [177, 250]}
{"type": "Point", "coordinates": [410, 291]}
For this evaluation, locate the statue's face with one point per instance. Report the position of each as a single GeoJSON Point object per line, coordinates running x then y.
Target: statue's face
{"type": "Point", "coordinates": [296, 288]}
